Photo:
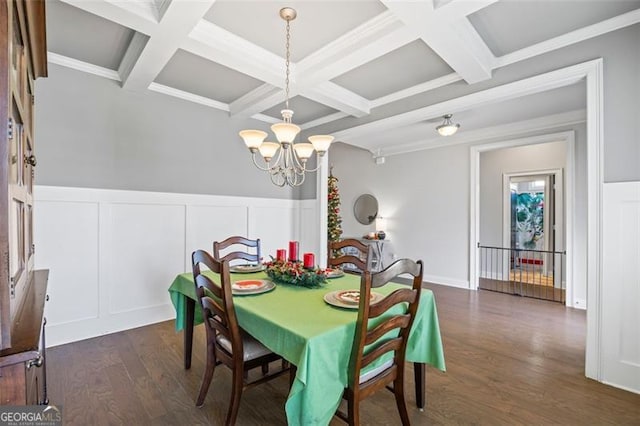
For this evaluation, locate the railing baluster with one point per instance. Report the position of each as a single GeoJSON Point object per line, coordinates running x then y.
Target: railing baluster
{"type": "Point", "coordinates": [532, 272]}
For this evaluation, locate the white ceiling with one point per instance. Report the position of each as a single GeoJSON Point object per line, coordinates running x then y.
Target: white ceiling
{"type": "Point", "coordinates": [350, 59]}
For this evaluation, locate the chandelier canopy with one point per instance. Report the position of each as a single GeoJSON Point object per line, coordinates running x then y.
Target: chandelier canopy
{"type": "Point", "coordinates": [285, 160]}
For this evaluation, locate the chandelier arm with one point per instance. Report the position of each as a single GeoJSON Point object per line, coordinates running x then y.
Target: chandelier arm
{"type": "Point", "coordinates": [318, 165]}
{"type": "Point", "coordinates": [268, 168]}
{"type": "Point", "coordinates": [278, 182]}
{"type": "Point", "coordinates": [297, 165]}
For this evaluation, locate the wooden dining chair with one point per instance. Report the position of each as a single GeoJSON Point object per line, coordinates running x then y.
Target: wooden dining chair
{"type": "Point", "coordinates": [227, 343]}
{"type": "Point", "coordinates": [372, 342]}
{"type": "Point", "coordinates": [361, 261]}
{"type": "Point", "coordinates": [218, 246]}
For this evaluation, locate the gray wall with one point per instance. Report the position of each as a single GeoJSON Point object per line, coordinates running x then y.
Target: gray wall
{"type": "Point", "coordinates": [621, 52]}
{"type": "Point", "coordinates": [91, 133]}
{"type": "Point", "coordinates": [424, 198]}
{"type": "Point", "coordinates": [493, 165]}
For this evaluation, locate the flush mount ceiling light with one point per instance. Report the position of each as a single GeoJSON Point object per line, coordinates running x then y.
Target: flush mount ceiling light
{"type": "Point", "coordinates": [285, 161]}
{"type": "Point", "coordinates": [447, 128]}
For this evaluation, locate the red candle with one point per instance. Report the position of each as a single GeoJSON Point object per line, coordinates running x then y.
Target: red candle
{"type": "Point", "coordinates": [309, 261]}
{"type": "Point", "coordinates": [293, 251]}
{"type": "Point", "coordinates": [281, 255]}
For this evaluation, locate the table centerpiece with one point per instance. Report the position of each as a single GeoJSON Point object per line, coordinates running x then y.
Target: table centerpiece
{"type": "Point", "coordinates": [294, 273]}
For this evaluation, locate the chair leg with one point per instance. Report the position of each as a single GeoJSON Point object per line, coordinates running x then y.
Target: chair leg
{"type": "Point", "coordinates": [398, 390]}
{"type": "Point", "coordinates": [293, 370]}
{"type": "Point", "coordinates": [353, 411]}
{"type": "Point", "coordinates": [236, 393]}
{"type": "Point", "coordinates": [208, 373]}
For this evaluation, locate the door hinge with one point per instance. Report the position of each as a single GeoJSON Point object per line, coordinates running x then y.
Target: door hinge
{"type": "Point", "coordinates": [12, 284]}
{"type": "Point", "coordinates": [10, 128]}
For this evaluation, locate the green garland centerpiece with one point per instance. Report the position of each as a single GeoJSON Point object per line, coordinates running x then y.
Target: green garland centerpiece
{"type": "Point", "coordinates": [293, 273]}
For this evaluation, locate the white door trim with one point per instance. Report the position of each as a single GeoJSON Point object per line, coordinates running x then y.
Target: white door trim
{"type": "Point", "coordinates": [592, 72]}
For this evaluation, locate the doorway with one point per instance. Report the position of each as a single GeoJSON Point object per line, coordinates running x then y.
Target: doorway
{"type": "Point", "coordinates": [537, 266]}
{"type": "Point", "coordinates": [533, 242]}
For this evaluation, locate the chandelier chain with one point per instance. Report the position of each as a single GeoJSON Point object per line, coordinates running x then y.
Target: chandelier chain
{"type": "Point", "coordinates": [285, 161]}
{"type": "Point", "coordinates": [287, 62]}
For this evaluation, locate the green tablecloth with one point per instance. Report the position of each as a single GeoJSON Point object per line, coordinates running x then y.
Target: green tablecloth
{"type": "Point", "coordinates": [297, 324]}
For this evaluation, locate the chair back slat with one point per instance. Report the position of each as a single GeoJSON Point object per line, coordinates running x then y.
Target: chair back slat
{"type": "Point", "coordinates": [219, 315]}
{"type": "Point", "coordinates": [404, 295]}
{"type": "Point", "coordinates": [361, 261]}
{"type": "Point", "coordinates": [398, 321]}
{"type": "Point", "coordinates": [373, 342]}
{"type": "Point", "coordinates": [399, 267]}
{"type": "Point", "coordinates": [394, 344]}
{"type": "Point", "coordinates": [218, 246]}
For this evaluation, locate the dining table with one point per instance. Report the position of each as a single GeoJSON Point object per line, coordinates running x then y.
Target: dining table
{"type": "Point", "coordinates": [298, 324]}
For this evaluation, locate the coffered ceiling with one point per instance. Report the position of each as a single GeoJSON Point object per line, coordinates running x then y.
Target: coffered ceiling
{"type": "Point", "coordinates": [351, 60]}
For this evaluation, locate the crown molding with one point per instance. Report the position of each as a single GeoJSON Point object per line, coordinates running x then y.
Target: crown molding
{"type": "Point", "coordinates": [65, 61]}
{"type": "Point", "coordinates": [595, 30]}
{"type": "Point", "coordinates": [414, 90]}
{"type": "Point", "coordinates": [322, 120]}
{"type": "Point", "coordinates": [187, 96]}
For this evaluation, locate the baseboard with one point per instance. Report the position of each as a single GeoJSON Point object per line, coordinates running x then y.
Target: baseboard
{"type": "Point", "coordinates": [60, 334]}
{"type": "Point", "coordinates": [580, 304]}
{"type": "Point", "coordinates": [448, 281]}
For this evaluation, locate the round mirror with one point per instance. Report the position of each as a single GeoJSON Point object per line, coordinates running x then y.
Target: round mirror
{"type": "Point", "coordinates": [366, 209]}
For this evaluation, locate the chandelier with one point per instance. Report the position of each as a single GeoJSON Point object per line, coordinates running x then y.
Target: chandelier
{"type": "Point", "coordinates": [285, 161]}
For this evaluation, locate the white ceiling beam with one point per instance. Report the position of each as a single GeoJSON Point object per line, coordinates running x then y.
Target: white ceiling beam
{"type": "Point", "coordinates": [484, 134]}
{"type": "Point", "coordinates": [339, 98]}
{"type": "Point", "coordinates": [127, 14]}
{"type": "Point", "coordinates": [376, 37]}
{"type": "Point", "coordinates": [539, 83]}
{"type": "Point", "coordinates": [414, 90]}
{"type": "Point", "coordinates": [461, 8]}
{"type": "Point", "coordinates": [225, 48]}
{"type": "Point", "coordinates": [178, 21]}
{"type": "Point", "coordinates": [454, 40]}
{"type": "Point", "coordinates": [256, 101]}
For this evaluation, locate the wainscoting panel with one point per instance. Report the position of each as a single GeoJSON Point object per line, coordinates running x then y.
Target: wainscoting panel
{"type": "Point", "coordinates": [309, 234]}
{"type": "Point", "coordinates": [147, 246]}
{"type": "Point", "coordinates": [621, 285]}
{"type": "Point", "coordinates": [206, 224]}
{"type": "Point", "coordinates": [66, 235]}
{"type": "Point", "coordinates": [113, 254]}
{"type": "Point", "coordinates": [276, 226]}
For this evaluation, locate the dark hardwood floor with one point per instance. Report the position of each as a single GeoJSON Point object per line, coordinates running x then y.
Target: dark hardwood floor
{"type": "Point", "coordinates": [510, 360]}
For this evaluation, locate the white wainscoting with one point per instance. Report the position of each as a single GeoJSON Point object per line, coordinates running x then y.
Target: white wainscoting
{"type": "Point", "coordinates": [621, 285]}
{"type": "Point", "coordinates": [113, 254]}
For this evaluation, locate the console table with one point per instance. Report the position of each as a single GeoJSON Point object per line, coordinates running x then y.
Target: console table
{"type": "Point", "coordinates": [381, 254]}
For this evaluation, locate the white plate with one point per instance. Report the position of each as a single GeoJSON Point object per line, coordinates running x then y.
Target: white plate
{"type": "Point", "coordinates": [245, 287]}
{"type": "Point", "coordinates": [349, 298]}
{"type": "Point", "coordinates": [334, 273]}
{"type": "Point", "coordinates": [246, 269]}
